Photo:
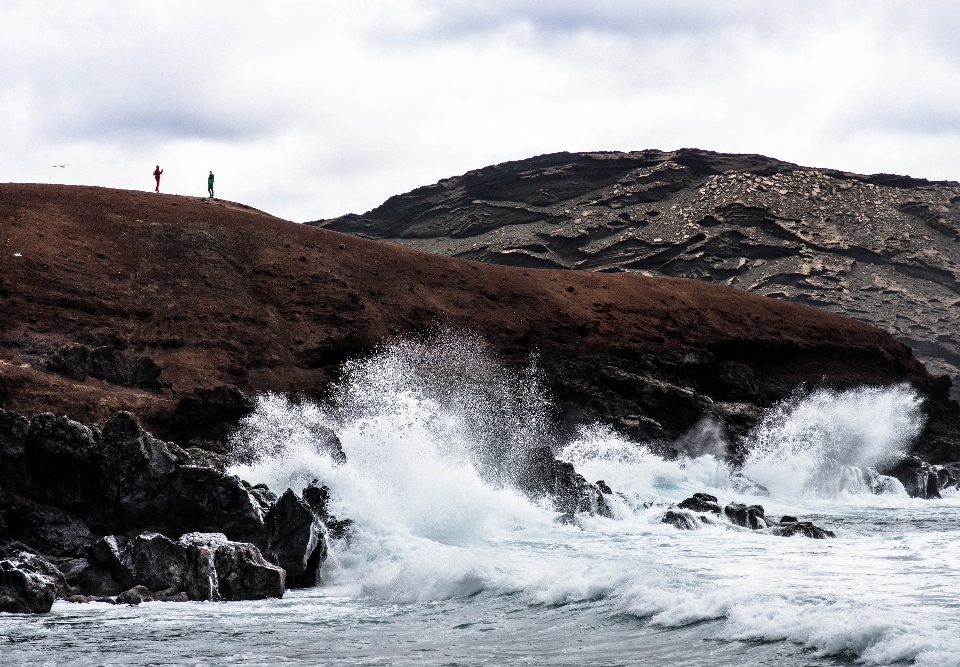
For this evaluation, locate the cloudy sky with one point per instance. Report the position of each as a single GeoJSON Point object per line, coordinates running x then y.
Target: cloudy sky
{"type": "Point", "coordinates": [314, 109]}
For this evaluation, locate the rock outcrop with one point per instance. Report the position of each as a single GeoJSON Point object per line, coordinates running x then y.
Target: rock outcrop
{"type": "Point", "coordinates": [693, 512]}
{"type": "Point", "coordinates": [75, 492]}
{"type": "Point", "coordinates": [28, 584]}
{"type": "Point", "coordinates": [542, 475]}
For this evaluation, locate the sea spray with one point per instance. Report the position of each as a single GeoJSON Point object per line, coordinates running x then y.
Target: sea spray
{"type": "Point", "coordinates": [828, 442]}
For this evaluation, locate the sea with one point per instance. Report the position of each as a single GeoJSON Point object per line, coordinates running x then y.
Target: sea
{"type": "Point", "coordinates": [448, 564]}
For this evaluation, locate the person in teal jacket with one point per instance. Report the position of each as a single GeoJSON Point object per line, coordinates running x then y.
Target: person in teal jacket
{"type": "Point", "coordinates": [210, 183]}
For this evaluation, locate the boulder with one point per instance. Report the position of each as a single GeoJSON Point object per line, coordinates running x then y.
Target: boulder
{"type": "Point", "coordinates": [318, 498]}
{"type": "Point", "coordinates": [205, 500]}
{"type": "Point", "coordinates": [919, 478]}
{"type": "Point", "coordinates": [206, 415]}
{"type": "Point", "coordinates": [89, 580]}
{"type": "Point", "coordinates": [29, 584]}
{"type": "Point", "coordinates": [542, 475]}
{"type": "Point", "coordinates": [241, 571]}
{"type": "Point", "coordinates": [198, 566]}
{"type": "Point", "coordinates": [295, 540]}
{"type": "Point", "coordinates": [680, 520]}
{"type": "Point", "coordinates": [62, 459]}
{"type": "Point", "coordinates": [701, 502]}
{"type": "Point", "coordinates": [746, 516]}
{"type": "Point", "coordinates": [804, 528]}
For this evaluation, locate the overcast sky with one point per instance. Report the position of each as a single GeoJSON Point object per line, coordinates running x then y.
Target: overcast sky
{"type": "Point", "coordinates": [314, 109]}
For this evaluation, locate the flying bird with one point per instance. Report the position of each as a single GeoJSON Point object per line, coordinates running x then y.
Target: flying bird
{"type": "Point", "coordinates": [62, 166]}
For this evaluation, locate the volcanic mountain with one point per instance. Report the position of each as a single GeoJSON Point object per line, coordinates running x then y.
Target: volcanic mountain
{"type": "Point", "coordinates": [882, 249]}
{"type": "Point", "coordinates": [113, 299]}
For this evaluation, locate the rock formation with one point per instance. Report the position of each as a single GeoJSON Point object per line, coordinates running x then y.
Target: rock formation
{"type": "Point", "coordinates": [119, 512]}
{"type": "Point", "coordinates": [882, 249]}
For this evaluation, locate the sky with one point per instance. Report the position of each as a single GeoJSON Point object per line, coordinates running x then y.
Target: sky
{"type": "Point", "coordinates": [310, 110]}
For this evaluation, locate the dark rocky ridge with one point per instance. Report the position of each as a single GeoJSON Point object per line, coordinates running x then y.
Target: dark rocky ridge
{"type": "Point", "coordinates": [882, 249]}
{"type": "Point", "coordinates": [218, 294]}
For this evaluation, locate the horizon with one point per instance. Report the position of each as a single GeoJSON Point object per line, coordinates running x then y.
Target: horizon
{"type": "Point", "coordinates": [314, 112]}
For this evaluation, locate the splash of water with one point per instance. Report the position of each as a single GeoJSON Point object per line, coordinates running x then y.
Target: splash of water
{"type": "Point", "coordinates": [829, 443]}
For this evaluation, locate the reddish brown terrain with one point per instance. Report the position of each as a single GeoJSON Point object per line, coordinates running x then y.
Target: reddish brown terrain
{"type": "Point", "coordinates": [218, 293]}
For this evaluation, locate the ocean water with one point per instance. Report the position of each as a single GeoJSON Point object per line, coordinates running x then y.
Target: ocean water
{"type": "Point", "coordinates": [449, 565]}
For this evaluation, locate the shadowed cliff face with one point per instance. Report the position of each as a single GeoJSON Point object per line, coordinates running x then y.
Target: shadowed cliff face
{"type": "Point", "coordinates": [214, 293]}
{"type": "Point", "coordinates": [882, 249]}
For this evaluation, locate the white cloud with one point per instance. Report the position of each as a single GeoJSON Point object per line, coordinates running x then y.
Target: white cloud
{"type": "Point", "coordinates": [311, 110]}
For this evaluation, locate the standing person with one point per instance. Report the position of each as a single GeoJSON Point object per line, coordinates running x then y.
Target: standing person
{"type": "Point", "coordinates": [210, 184]}
{"type": "Point", "coordinates": [156, 175]}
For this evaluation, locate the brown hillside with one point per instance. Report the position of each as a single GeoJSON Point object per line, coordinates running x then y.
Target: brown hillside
{"type": "Point", "coordinates": [219, 293]}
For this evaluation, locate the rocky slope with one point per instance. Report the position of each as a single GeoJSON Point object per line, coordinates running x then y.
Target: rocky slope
{"type": "Point", "coordinates": [102, 288]}
{"type": "Point", "coordinates": [882, 249]}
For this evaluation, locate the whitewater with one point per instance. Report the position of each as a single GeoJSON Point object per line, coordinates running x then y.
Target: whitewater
{"type": "Point", "coordinates": [448, 564]}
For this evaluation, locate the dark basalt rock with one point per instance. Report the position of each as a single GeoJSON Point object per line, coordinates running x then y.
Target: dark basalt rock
{"type": "Point", "coordinates": [543, 475]}
{"type": "Point", "coordinates": [295, 540]}
{"type": "Point", "coordinates": [701, 502]}
{"type": "Point", "coordinates": [204, 416]}
{"type": "Point", "coordinates": [804, 528]}
{"type": "Point", "coordinates": [78, 362]}
{"type": "Point", "coordinates": [919, 478]}
{"type": "Point", "coordinates": [29, 584]}
{"type": "Point", "coordinates": [206, 501]}
{"type": "Point", "coordinates": [198, 566]}
{"type": "Point", "coordinates": [318, 497]}
{"type": "Point", "coordinates": [680, 520]}
{"type": "Point", "coordinates": [88, 579]}
{"type": "Point", "coordinates": [746, 516]}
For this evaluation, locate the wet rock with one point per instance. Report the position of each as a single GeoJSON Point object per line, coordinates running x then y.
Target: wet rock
{"type": "Point", "coordinates": [919, 478]}
{"type": "Point", "coordinates": [543, 475]}
{"type": "Point", "coordinates": [294, 532]}
{"type": "Point", "coordinates": [49, 529]}
{"type": "Point", "coordinates": [804, 528]}
{"type": "Point", "coordinates": [680, 520]}
{"type": "Point", "coordinates": [111, 556]}
{"type": "Point", "coordinates": [198, 566]}
{"type": "Point", "coordinates": [742, 484]}
{"type": "Point", "coordinates": [29, 584]}
{"type": "Point", "coordinates": [318, 498]}
{"type": "Point", "coordinates": [746, 516]}
{"type": "Point", "coordinates": [242, 573]}
{"type": "Point", "coordinates": [62, 458]}
{"type": "Point", "coordinates": [600, 484]}
{"type": "Point", "coordinates": [89, 580]}
{"type": "Point", "coordinates": [701, 502]}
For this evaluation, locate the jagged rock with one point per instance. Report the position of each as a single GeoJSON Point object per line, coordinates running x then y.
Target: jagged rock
{"type": "Point", "coordinates": [89, 580]}
{"type": "Point", "coordinates": [241, 571]}
{"type": "Point", "coordinates": [49, 529]}
{"type": "Point", "coordinates": [13, 436]}
{"type": "Point", "coordinates": [746, 516]}
{"type": "Point", "coordinates": [701, 502]}
{"type": "Point", "coordinates": [804, 528]}
{"type": "Point", "coordinates": [62, 456]}
{"type": "Point", "coordinates": [318, 498]}
{"type": "Point", "coordinates": [198, 566]}
{"type": "Point", "coordinates": [543, 475]}
{"type": "Point", "coordinates": [29, 584]}
{"type": "Point", "coordinates": [680, 520]}
{"type": "Point", "coordinates": [295, 540]}
{"type": "Point", "coordinates": [604, 488]}
{"type": "Point", "coordinates": [105, 363]}
{"type": "Point", "coordinates": [206, 415]}
{"type": "Point", "coordinates": [919, 478]}
{"type": "Point", "coordinates": [207, 501]}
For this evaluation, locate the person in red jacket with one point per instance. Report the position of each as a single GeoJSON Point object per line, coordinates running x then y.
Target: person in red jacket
{"type": "Point", "coordinates": [156, 175]}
